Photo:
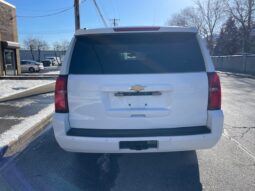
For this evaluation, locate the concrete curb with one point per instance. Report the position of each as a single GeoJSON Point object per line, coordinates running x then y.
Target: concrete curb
{"type": "Point", "coordinates": [25, 138]}
{"type": "Point", "coordinates": [42, 77]}
{"type": "Point", "coordinates": [46, 88]}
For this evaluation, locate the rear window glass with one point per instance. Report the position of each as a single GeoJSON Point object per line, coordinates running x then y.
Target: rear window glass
{"type": "Point", "coordinates": [136, 53]}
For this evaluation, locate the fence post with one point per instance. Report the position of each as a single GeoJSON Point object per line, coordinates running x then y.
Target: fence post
{"type": "Point", "coordinates": [243, 64]}
{"type": "Point", "coordinates": [245, 61]}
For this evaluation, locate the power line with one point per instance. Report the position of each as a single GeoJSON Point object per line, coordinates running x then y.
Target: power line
{"type": "Point", "coordinates": [104, 11]}
{"type": "Point", "coordinates": [46, 32]}
{"type": "Point", "coordinates": [100, 13]}
{"type": "Point", "coordinates": [116, 3]}
{"type": "Point", "coordinates": [44, 10]}
{"type": "Point", "coordinates": [114, 9]}
{"type": "Point", "coordinates": [47, 15]}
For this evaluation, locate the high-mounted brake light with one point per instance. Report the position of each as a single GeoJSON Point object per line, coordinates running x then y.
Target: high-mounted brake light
{"type": "Point", "coordinates": [214, 100]}
{"type": "Point", "coordinates": [126, 29]}
{"type": "Point", "coordinates": [61, 103]}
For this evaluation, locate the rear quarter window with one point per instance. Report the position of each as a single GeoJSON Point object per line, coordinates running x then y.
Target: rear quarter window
{"type": "Point", "coordinates": [136, 53]}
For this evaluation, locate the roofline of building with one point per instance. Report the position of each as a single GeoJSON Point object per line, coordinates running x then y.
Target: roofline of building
{"type": "Point", "coordinates": [6, 3]}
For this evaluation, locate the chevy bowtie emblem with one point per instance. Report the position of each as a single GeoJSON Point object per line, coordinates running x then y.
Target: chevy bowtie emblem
{"type": "Point", "coordinates": [137, 88]}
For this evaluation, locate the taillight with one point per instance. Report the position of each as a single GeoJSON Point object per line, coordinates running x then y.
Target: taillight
{"type": "Point", "coordinates": [61, 103]}
{"type": "Point", "coordinates": [214, 100]}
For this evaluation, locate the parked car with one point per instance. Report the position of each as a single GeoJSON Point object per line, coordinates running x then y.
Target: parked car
{"type": "Point", "coordinates": [31, 66]}
{"type": "Point", "coordinates": [149, 89]}
{"type": "Point", "coordinates": [47, 63]}
{"type": "Point", "coordinates": [55, 60]}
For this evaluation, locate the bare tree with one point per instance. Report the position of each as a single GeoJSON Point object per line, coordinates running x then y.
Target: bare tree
{"type": "Point", "coordinates": [211, 12]}
{"type": "Point", "coordinates": [206, 15]}
{"type": "Point", "coordinates": [61, 45]}
{"type": "Point", "coordinates": [243, 11]}
{"type": "Point", "coordinates": [64, 45]}
{"type": "Point", "coordinates": [30, 44]}
{"type": "Point", "coordinates": [57, 48]}
{"type": "Point", "coordinates": [41, 45]}
{"type": "Point", "coordinates": [35, 44]}
{"type": "Point", "coordinates": [60, 48]}
{"type": "Point", "coordinates": [186, 17]}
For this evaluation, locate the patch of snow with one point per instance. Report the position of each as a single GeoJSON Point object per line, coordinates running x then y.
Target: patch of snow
{"type": "Point", "coordinates": [18, 104]}
{"type": "Point", "coordinates": [52, 72]}
{"type": "Point", "coordinates": [12, 118]}
{"type": "Point", "coordinates": [25, 126]}
{"type": "Point", "coordinates": [9, 87]}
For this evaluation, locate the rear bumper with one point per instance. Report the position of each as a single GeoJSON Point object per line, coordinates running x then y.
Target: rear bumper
{"type": "Point", "coordinates": [198, 138]}
{"type": "Point", "coordinates": [125, 133]}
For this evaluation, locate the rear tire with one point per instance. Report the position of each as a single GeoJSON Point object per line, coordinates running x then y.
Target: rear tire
{"type": "Point", "coordinates": [31, 70]}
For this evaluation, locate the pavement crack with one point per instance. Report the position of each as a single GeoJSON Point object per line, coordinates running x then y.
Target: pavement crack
{"type": "Point", "coordinates": [238, 144]}
{"type": "Point", "coordinates": [245, 132]}
{"type": "Point", "coordinates": [238, 127]}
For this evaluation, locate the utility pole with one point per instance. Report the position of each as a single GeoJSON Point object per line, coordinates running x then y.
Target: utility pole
{"type": "Point", "coordinates": [100, 13]}
{"type": "Point", "coordinates": [115, 22]}
{"type": "Point", "coordinates": [77, 14]}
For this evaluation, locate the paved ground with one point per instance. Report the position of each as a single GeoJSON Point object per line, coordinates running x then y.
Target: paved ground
{"type": "Point", "coordinates": [228, 166]}
{"type": "Point", "coordinates": [14, 112]}
{"type": "Point", "coordinates": [239, 109]}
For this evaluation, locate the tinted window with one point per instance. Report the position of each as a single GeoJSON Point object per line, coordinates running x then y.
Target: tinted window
{"type": "Point", "coordinates": [136, 53]}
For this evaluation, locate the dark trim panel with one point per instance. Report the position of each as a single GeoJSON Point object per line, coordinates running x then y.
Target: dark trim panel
{"type": "Point", "coordinates": [180, 131]}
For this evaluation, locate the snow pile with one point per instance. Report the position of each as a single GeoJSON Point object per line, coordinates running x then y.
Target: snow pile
{"type": "Point", "coordinates": [27, 125]}
{"type": "Point", "coordinates": [52, 72]}
{"type": "Point", "coordinates": [10, 87]}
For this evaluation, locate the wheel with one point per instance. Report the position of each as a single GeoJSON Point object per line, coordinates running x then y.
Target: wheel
{"type": "Point", "coordinates": [32, 70]}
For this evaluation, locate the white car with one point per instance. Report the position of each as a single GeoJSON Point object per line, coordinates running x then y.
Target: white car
{"type": "Point", "coordinates": [31, 66]}
{"type": "Point", "coordinates": [55, 60]}
{"type": "Point", "coordinates": [133, 90]}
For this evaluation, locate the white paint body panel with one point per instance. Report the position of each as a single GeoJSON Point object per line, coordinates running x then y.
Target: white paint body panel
{"type": "Point", "coordinates": [93, 105]}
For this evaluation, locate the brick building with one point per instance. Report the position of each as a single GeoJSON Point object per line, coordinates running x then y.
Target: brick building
{"type": "Point", "coordinates": [9, 47]}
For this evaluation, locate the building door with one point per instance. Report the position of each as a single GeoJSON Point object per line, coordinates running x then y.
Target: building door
{"type": "Point", "coordinates": [9, 62]}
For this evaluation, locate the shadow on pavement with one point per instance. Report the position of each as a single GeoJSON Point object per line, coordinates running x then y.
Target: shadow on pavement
{"type": "Point", "coordinates": [45, 166]}
{"type": "Point", "coordinates": [99, 171]}
{"type": "Point", "coordinates": [14, 112]}
{"type": "Point", "coordinates": [159, 171]}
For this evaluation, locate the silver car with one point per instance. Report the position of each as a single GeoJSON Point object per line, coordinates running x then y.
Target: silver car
{"type": "Point", "coordinates": [31, 66]}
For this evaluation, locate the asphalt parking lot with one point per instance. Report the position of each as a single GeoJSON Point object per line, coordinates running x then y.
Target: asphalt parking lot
{"type": "Point", "coordinates": [230, 165]}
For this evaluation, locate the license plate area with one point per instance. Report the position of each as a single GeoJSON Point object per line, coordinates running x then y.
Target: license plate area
{"type": "Point", "coordinates": [138, 145]}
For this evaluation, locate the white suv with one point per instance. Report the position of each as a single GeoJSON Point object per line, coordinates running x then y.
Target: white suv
{"type": "Point", "coordinates": [147, 89]}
